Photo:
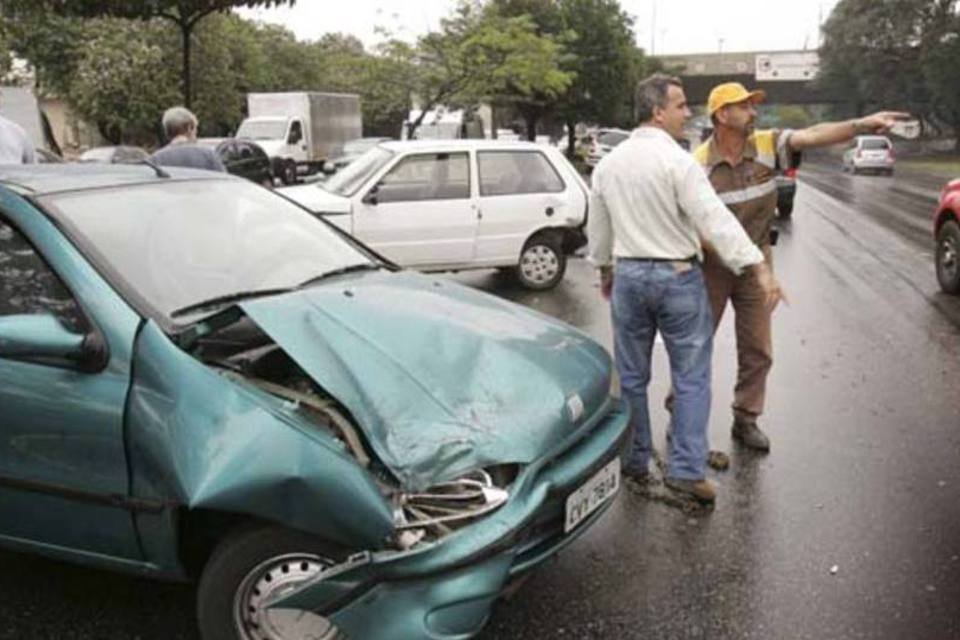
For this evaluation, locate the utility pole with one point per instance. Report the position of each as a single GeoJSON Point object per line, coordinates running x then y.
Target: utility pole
{"type": "Point", "coordinates": [653, 29]}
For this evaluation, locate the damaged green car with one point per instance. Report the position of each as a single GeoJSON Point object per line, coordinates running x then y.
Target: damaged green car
{"type": "Point", "coordinates": [202, 381]}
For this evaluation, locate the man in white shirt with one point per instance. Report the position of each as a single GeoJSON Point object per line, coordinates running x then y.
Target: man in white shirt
{"type": "Point", "coordinates": [650, 205]}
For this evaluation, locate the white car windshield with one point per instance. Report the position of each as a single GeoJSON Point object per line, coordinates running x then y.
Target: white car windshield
{"type": "Point", "coordinates": [349, 180]}
{"type": "Point", "coordinates": [173, 244]}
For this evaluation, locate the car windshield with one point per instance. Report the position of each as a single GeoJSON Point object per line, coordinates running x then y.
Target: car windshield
{"type": "Point", "coordinates": [612, 138]}
{"type": "Point", "coordinates": [349, 180]}
{"type": "Point", "coordinates": [172, 244]}
{"type": "Point", "coordinates": [274, 129]}
{"type": "Point", "coordinates": [875, 143]}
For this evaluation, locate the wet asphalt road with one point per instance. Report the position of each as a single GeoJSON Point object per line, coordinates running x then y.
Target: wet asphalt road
{"type": "Point", "coordinates": [864, 476]}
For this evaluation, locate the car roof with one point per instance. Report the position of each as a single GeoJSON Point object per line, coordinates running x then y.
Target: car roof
{"type": "Point", "coordinates": [465, 144]}
{"type": "Point", "coordinates": [40, 179]}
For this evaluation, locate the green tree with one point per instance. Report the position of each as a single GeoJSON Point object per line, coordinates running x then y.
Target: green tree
{"type": "Point", "coordinates": [941, 51]}
{"type": "Point", "coordinates": [599, 56]}
{"type": "Point", "coordinates": [606, 63]}
{"type": "Point", "coordinates": [479, 55]}
{"type": "Point", "coordinates": [872, 52]}
{"type": "Point", "coordinates": [185, 14]}
{"type": "Point", "coordinates": [122, 74]}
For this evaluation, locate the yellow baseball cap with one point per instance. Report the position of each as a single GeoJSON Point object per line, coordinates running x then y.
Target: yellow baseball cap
{"type": "Point", "coordinates": [732, 93]}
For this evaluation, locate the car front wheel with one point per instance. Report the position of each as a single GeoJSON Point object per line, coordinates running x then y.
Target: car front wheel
{"type": "Point", "coordinates": [252, 568]}
{"type": "Point", "coordinates": [542, 263]}
{"type": "Point", "coordinates": [948, 257]}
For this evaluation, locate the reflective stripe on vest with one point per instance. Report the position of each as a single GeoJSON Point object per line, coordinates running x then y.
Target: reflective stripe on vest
{"type": "Point", "coordinates": [750, 193]}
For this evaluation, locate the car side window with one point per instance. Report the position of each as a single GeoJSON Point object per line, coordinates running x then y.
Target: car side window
{"type": "Point", "coordinates": [516, 172]}
{"type": "Point", "coordinates": [29, 286]}
{"type": "Point", "coordinates": [296, 133]}
{"type": "Point", "coordinates": [428, 176]}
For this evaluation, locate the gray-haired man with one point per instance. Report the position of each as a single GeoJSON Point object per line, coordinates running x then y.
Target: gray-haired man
{"type": "Point", "coordinates": [650, 204]}
{"type": "Point", "coordinates": [180, 127]}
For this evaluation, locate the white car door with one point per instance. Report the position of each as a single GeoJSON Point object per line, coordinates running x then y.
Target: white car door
{"type": "Point", "coordinates": [421, 213]}
{"type": "Point", "coordinates": [521, 191]}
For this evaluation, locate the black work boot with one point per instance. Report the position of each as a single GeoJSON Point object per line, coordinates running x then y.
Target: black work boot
{"type": "Point", "coordinates": [750, 435]}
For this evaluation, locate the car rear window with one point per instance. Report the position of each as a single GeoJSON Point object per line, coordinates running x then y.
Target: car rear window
{"type": "Point", "coordinates": [875, 143]}
{"type": "Point", "coordinates": [515, 172]}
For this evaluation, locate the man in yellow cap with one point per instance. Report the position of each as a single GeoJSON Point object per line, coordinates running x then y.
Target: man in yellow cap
{"type": "Point", "coordinates": [742, 164]}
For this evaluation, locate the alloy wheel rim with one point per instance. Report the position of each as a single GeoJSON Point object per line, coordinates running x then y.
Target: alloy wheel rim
{"type": "Point", "coordinates": [539, 264]}
{"type": "Point", "coordinates": [949, 258]}
{"type": "Point", "coordinates": [270, 580]}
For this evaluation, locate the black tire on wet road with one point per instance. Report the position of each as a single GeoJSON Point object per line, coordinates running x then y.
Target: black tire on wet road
{"type": "Point", "coordinates": [850, 528]}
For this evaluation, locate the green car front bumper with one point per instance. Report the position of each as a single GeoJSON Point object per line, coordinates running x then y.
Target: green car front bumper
{"type": "Point", "coordinates": [446, 590]}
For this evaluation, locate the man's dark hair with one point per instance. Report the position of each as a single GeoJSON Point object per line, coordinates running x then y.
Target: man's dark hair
{"type": "Point", "coordinates": [652, 92]}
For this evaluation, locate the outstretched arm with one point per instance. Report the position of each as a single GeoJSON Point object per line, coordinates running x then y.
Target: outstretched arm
{"type": "Point", "coordinates": [827, 133]}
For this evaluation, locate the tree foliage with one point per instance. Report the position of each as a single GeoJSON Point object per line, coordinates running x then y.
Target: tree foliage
{"type": "Point", "coordinates": [183, 13]}
{"type": "Point", "coordinates": [895, 54]}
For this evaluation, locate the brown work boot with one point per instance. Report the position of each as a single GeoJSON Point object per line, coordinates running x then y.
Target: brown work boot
{"type": "Point", "coordinates": [702, 490]}
{"type": "Point", "coordinates": [750, 435]}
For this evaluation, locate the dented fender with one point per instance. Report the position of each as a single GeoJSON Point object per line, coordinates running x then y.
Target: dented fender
{"type": "Point", "coordinates": [200, 440]}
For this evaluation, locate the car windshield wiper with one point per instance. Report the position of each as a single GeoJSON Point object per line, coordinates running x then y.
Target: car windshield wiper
{"type": "Point", "coordinates": [363, 266]}
{"type": "Point", "coordinates": [228, 298]}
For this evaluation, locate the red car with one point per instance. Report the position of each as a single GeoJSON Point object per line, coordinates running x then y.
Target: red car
{"type": "Point", "coordinates": [946, 229]}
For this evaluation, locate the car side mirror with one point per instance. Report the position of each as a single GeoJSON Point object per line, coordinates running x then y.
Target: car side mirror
{"type": "Point", "coordinates": [371, 197]}
{"type": "Point", "coordinates": [41, 338]}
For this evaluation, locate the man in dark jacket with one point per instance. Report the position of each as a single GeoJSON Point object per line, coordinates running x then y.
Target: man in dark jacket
{"type": "Point", "coordinates": [180, 126]}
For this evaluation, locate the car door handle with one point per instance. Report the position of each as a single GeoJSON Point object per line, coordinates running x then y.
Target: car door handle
{"type": "Point", "coordinates": [549, 211]}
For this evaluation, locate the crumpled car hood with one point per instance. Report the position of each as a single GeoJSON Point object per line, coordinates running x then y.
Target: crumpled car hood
{"type": "Point", "coordinates": [442, 379]}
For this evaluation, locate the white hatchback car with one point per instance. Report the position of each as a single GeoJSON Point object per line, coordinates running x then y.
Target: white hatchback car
{"type": "Point", "coordinates": [448, 205]}
{"type": "Point", "coordinates": [869, 153]}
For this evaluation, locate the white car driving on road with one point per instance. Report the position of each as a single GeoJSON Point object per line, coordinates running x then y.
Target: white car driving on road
{"type": "Point", "coordinates": [448, 205]}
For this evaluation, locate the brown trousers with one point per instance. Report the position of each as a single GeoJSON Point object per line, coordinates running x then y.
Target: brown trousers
{"type": "Point", "coordinates": [752, 325]}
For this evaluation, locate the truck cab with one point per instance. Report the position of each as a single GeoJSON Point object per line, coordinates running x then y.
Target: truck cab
{"type": "Point", "coordinates": [284, 139]}
{"type": "Point", "coordinates": [301, 130]}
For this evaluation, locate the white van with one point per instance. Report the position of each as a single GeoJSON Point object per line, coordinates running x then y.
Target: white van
{"type": "Point", "coordinates": [447, 205]}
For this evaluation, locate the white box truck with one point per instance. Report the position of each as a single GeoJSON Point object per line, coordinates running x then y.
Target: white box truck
{"type": "Point", "coordinates": [299, 130]}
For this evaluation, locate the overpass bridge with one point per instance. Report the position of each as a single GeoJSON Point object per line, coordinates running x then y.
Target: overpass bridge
{"type": "Point", "coordinates": [786, 76]}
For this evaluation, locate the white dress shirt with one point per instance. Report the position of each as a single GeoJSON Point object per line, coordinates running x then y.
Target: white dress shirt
{"type": "Point", "coordinates": [650, 199]}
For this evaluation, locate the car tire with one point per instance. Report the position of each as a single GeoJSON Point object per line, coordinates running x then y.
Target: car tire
{"type": "Point", "coordinates": [288, 172]}
{"type": "Point", "coordinates": [542, 262]}
{"type": "Point", "coordinates": [251, 567]}
{"type": "Point", "coordinates": [948, 257]}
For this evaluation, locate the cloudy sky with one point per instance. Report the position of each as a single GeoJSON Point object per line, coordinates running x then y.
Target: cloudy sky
{"type": "Point", "coordinates": [664, 26]}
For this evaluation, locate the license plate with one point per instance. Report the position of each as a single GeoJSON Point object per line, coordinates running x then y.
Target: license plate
{"type": "Point", "coordinates": [592, 493]}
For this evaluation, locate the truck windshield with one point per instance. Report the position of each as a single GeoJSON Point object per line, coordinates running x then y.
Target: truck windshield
{"type": "Point", "coordinates": [348, 181]}
{"type": "Point", "coordinates": [273, 129]}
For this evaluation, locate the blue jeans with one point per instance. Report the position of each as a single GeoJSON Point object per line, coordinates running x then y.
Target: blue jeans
{"type": "Point", "coordinates": [650, 297]}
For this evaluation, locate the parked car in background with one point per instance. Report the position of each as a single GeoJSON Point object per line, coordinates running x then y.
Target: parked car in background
{"type": "Point", "coordinates": [352, 150]}
{"type": "Point", "coordinates": [243, 158]}
{"type": "Point", "coordinates": [946, 231]}
{"type": "Point", "coordinates": [247, 397]}
{"type": "Point", "coordinates": [121, 154]}
{"type": "Point", "coordinates": [447, 205]}
{"type": "Point", "coordinates": [786, 191]}
{"type": "Point", "coordinates": [603, 143]}
{"type": "Point", "coordinates": [869, 153]}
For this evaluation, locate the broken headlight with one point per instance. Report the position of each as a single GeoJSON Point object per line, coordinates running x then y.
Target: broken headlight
{"type": "Point", "coordinates": [429, 515]}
